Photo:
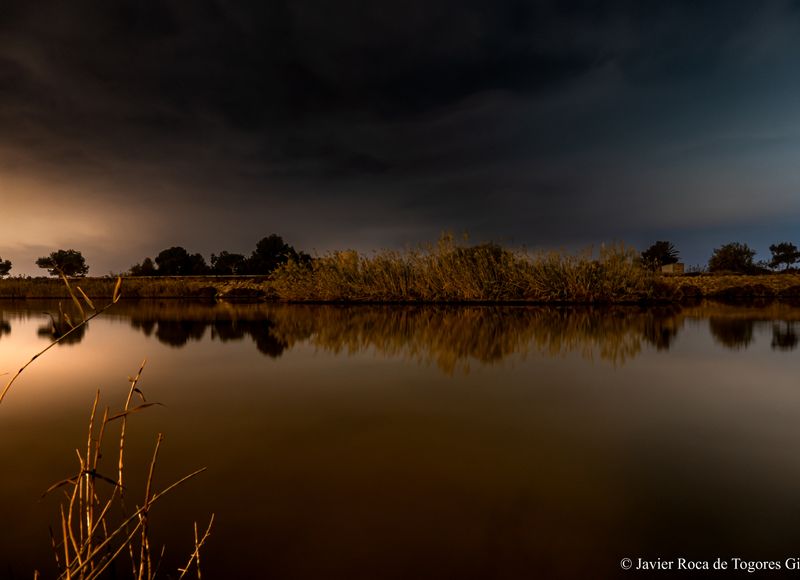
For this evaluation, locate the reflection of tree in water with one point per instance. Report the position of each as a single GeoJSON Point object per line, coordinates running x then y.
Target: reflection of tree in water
{"type": "Point", "coordinates": [146, 326]}
{"type": "Point", "coordinates": [662, 327]}
{"type": "Point", "coordinates": [5, 327]}
{"type": "Point", "coordinates": [177, 326]}
{"type": "Point", "coordinates": [268, 344]}
{"type": "Point", "coordinates": [449, 336]}
{"type": "Point", "coordinates": [784, 336]}
{"type": "Point", "coordinates": [179, 332]}
{"type": "Point", "coordinates": [230, 329]}
{"type": "Point", "coordinates": [260, 330]}
{"type": "Point", "coordinates": [734, 333]}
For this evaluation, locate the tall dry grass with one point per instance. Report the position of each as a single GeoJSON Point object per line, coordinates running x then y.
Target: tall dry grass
{"type": "Point", "coordinates": [454, 272]}
{"type": "Point", "coordinates": [97, 527]}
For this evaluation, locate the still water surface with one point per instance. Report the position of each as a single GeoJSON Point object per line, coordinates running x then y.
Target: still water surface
{"type": "Point", "coordinates": [422, 442]}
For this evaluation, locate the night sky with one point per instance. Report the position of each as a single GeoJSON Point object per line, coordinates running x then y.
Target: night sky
{"type": "Point", "coordinates": [127, 127]}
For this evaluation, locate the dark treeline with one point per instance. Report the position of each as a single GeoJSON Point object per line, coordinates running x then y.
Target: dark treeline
{"type": "Point", "coordinates": [734, 257]}
{"type": "Point", "coordinates": [270, 253]}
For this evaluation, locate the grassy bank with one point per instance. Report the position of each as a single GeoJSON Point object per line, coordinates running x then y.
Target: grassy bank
{"type": "Point", "coordinates": [137, 287]}
{"type": "Point", "coordinates": [735, 287]}
{"type": "Point", "coordinates": [448, 272]}
{"type": "Point", "coordinates": [489, 273]}
{"type": "Point", "coordinates": [453, 273]}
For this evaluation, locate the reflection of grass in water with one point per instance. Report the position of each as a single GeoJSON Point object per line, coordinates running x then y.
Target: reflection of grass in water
{"type": "Point", "coordinates": [449, 336]}
{"type": "Point", "coordinates": [453, 272]}
{"type": "Point", "coordinates": [452, 336]}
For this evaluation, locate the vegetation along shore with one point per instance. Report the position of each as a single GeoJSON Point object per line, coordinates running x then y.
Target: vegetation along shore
{"type": "Point", "coordinates": [447, 272]}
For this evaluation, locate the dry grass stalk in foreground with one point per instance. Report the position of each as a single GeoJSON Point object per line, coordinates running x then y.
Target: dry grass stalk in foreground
{"type": "Point", "coordinates": [96, 528]}
{"type": "Point", "coordinates": [198, 543]}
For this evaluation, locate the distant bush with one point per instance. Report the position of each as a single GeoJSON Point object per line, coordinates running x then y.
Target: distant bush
{"type": "Point", "coordinates": [733, 257]}
{"type": "Point", "coordinates": [5, 267]}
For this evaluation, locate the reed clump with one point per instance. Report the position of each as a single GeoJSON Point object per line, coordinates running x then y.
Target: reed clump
{"type": "Point", "coordinates": [97, 527]}
{"type": "Point", "coordinates": [615, 275]}
{"type": "Point", "coordinates": [454, 272]}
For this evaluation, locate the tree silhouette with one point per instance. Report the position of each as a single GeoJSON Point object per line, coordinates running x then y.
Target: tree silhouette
{"type": "Point", "coordinates": [227, 263]}
{"type": "Point", "coordinates": [64, 262]}
{"type": "Point", "coordinates": [733, 257]}
{"type": "Point", "coordinates": [5, 267]}
{"type": "Point", "coordinates": [660, 254]}
{"type": "Point", "coordinates": [176, 261]}
{"type": "Point", "coordinates": [146, 268]}
{"type": "Point", "coordinates": [784, 253]}
{"type": "Point", "coordinates": [272, 252]}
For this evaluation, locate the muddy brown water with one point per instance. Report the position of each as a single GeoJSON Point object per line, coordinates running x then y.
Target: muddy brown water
{"type": "Point", "coordinates": [421, 442]}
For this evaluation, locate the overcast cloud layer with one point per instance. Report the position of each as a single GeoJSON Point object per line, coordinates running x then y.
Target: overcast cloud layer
{"type": "Point", "coordinates": [128, 127]}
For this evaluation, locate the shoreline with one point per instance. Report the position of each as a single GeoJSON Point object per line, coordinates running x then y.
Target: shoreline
{"type": "Point", "coordinates": [663, 289]}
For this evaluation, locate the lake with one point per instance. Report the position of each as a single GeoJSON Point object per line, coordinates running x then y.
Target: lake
{"type": "Point", "coordinates": [419, 441]}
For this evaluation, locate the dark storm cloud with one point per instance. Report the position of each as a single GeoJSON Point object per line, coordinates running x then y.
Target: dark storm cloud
{"type": "Point", "coordinates": [375, 123]}
{"type": "Point", "coordinates": [276, 68]}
